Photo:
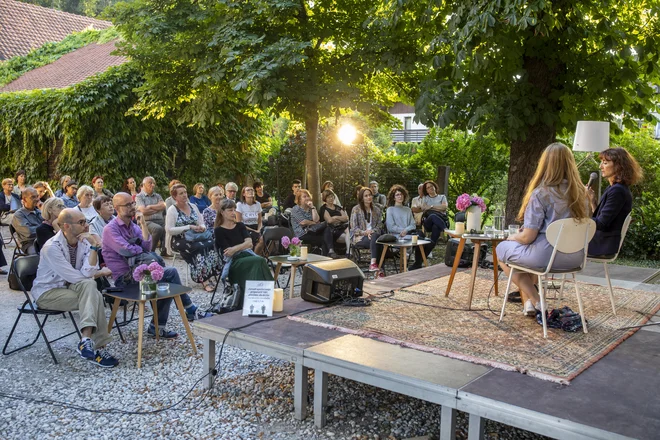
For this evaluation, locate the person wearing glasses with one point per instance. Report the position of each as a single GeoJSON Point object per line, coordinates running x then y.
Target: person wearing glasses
{"type": "Point", "coordinates": [86, 196]}
{"type": "Point", "coordinates": [50, 210]}
{"type": "Point", "coordinates": [26, 220]}
{"type": "Point", "coordinates": [231, 189]}
{"type": "Point", "coordinates": [69, 197]}
{"type": "Point", "coordinates": [152, 206]}
{"type": "Point", "coordinates": [124, 240]}
{"type": "Point", "coordinates": [9, 202]}
{"type": "Point", "coordinates": [68, 265]}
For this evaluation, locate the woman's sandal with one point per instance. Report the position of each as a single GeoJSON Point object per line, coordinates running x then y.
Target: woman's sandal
{"type": "Point", "coordinates": [514, 297]}
{"type": "Point", "coordinates": [209, 288]}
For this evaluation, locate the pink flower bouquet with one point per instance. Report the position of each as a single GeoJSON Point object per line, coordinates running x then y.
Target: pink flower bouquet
{"type": "Point", "coordinates": [154, 270]}
{"type": "Point", "coordinates": [292, 244]}
{"type": "Point", "coordinates": [464, 201]}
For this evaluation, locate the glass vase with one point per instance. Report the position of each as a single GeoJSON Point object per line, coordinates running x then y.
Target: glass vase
{"type": "Point", "coordinates": [147, 286]}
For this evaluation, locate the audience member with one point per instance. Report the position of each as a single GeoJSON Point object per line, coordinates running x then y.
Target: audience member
{"type": "Point", "coordinates": [399, 220]}
{"type": "Point", "coordinates": [379, 199]}
{"type": "Point", "coordinates": [105, 212]}
{"type": "Point", "coordinates": [152, 206]}
{"type": "Point", "coordinates": [248, 212]}
{"type": "Point", "coordinates": [199, 199]}
{"type": "Point", "coordinates": [234, 243]}
{"type": "Point", "coordinates": [190, 238]}
{"type": "Point", "coordinates": [50, 211]}
{"type": "Point", "coordinates": [44, 191]}
{"type": "Point", "coordinates": [367, 225]}
{"type": "Point", "coordinates": [98, 185]}
{"type": "Point", "coordinates": [69, 197]}
{"type": "Point", "coordinates": [64, 180]}
{"type": "Point", "coordinates": [308, 225]}
{"type": "Point", "coordinates": [130, 187]}
{"type": "Point", "coordinates": [329, 186]}
{"type": "Point", "coordinates": [264, 199]}
{"type": "Point", "coordinates": [216, 195]}
{"type": "Point", "coordinates": [336, 219]}
{"type": "Point", "coordinates": [65, 281]}
{"type": "Point", "coordinates": [290, 201]}
{"type": "Point", "coordinates": [125, 245]}
{"type": "Point", "coordinates": [86, 196]}
{"type": "Point", "coordinates": [169, 201]}
{"type": "Point", "coordinates": [26, 220]}
{"type": "Point", "coordinates": [20, 182]}
{"type": "Point", "coordinates": [9, 202]}
{"type": "Point", "coordinates": [416, 205]}
{"type": "Point", "coordinates": [434, 206]}
{"type": "Point", "coordinates": [555, 192]}
{"type": "Point", "coordinates": [231, 189]}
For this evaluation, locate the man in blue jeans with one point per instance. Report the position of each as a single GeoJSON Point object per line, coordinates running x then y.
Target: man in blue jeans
{"type": "Point", "coordinates": [123, 240]}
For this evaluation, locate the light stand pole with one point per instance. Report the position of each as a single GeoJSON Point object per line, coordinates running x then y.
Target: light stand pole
{"type": "Point", "coordinates": [592, 137]}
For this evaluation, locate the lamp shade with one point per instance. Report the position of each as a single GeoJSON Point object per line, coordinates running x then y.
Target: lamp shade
{"type": "Point", "coordinates": [592, 136]}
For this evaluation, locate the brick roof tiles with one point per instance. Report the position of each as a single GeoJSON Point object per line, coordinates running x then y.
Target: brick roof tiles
{"type": "Point", "coordinates": [24, 27]}
{"type": "Point", "coordinates": [70, 69]}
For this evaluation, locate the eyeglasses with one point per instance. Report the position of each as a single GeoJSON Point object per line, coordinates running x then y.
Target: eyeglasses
{"type": "Point", "coordinates": [82, 222]}
{"type": "Point", "coordinates": [126, 205]}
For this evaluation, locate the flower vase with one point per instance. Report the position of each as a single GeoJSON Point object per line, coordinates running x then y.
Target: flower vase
{"type": "Point", "coordinates": [473, 219]}
{"type": "Point", "coordinates": [294, 252]}
{"type": "Point", "coordinates": [147, 286]}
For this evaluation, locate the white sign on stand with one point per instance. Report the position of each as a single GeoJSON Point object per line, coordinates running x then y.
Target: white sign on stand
{"type": "Point", "coordinates": [258, 298]}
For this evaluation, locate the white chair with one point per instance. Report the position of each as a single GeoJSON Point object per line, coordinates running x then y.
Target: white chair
{"type": "Point", "coordinates": [610, 259]}
{"type": "Point", "coordinates": [567, 236]}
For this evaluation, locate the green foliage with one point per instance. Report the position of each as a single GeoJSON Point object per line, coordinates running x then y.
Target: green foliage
{"type": "Point", "coordinates": [478, 164]}
{"type": "Point", "coordinates": [511, 65]}
{"type": "Point", "coordinates": [49, 52]}
{"type": "Point", "coordinates": [89, 128]}
{"type": "Point", "coordinates": [91, 8]}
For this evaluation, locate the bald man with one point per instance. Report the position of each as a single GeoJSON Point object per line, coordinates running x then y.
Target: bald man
{"type": "Point", "coordinates": [65, 281]}
{"type": "Point", "coordinates": [123, 240]}
{"type": "Point", "coordinates": [26, 220]}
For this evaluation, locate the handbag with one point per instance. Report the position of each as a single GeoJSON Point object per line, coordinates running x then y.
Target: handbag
{"type": "Point", "coordinates": [315, 229]}
{"type": "Point", "coordinates": [193, 236]}
{"type": "Point", "coordinates": [386, 238]}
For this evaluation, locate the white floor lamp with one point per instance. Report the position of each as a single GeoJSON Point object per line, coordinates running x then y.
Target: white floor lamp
{"type": "Point", "coordinates": [592, 137]}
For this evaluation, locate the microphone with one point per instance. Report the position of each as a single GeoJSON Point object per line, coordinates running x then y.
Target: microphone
{"type": "Point", "coordinates": [592, 178]}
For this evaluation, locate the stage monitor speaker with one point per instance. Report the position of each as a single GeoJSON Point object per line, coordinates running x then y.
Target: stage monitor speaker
{"type": "Point", "coordinates": [327, 281]}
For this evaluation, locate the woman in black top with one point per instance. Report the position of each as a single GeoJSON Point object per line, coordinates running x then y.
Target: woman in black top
{"type": "Point", "coordinates": [621, 170]}
{"type": "Point", "coordinates": [45, 231]}
{"type": "Point", "coordinates": [235, 245]}
{"type": "Point", "coordinates": [336, 218]}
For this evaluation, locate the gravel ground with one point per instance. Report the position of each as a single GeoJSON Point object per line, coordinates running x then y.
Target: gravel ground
{"type": "Point", "coordinates": [252, 398]}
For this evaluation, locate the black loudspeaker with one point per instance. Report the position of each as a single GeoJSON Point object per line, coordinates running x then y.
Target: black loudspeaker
{"type": "Point", "coordinates": [327, 281]}
{"type": "Point", "coordinates": [467, 254]}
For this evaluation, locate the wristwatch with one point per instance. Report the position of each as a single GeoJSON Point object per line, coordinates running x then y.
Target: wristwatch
{"type": "Point", "coordinates": [95, 248]}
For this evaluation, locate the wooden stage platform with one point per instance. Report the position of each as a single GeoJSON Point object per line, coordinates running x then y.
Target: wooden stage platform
{"type": "Point", "coordinates": [616, 398]}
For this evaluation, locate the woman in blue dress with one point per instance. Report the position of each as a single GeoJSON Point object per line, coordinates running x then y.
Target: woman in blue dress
{"type": "Point", "coordinates": [554, 193]}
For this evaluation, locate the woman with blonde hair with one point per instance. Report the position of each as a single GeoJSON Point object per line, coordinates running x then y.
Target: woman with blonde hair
{"type": "Point", "coordinates": [554, 193]}
{"type": "Point", "coordinates": [216, 196]}
{"type": "Point", "coordinates": [199, 198]}
{"type": "Point", "coordinates": [50, 210]}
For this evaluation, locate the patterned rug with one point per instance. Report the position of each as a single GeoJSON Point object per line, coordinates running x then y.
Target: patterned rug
{"type": "Point", "coordinates": [420, 317]}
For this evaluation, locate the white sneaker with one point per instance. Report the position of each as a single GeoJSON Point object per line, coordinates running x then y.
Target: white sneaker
{"type": "Point", "coordinates": [529, 309]}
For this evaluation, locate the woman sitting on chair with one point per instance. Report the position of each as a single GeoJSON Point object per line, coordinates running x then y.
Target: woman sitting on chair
{"type": "Point", "coordinates": [621, 170]}
{"type": "Point", "coordinates": [554, 193]}
{"type": "Point", "coordinates": [308, 225]}
{"type": "Point", "coordinates": [45, 231]}
{"type": "Point", "coordinates": [235, 245]}
{"type": "Point", "coordinates": [186, 226]}
{"type": "Point", "coordinates": [216, 196]}
{"type": "Point", "coordinates": [367, 225]}
{"type": "Point", "coordinates": [248, 212]}
{"type": "Point", "coordinates": [200, 198]}
{"type": "Point", "coordinates": [434, 206]}
{"type": "Point", "coordinates": [336, 218]}
{"type": "Point", "coordinates": [399, 220]}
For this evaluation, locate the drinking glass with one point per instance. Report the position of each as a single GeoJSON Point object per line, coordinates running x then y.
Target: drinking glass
{"type": "Point", "coordinates": [488, 231]}
{"type": "Point", "coordinates": [513, 229]}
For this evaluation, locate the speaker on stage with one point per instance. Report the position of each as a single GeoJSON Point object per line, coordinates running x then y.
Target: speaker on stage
{"type": "Point", "coordinates": [326, 281]}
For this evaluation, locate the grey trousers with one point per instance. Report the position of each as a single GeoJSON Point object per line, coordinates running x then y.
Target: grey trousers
{"type": "Point", "coordinates": [84, 297]}
{"type": "Point", "coordinates": [157, 231]}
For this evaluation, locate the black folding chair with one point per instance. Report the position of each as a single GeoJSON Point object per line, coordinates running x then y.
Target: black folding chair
{"type": "Point", "coordinates": [25, 268]}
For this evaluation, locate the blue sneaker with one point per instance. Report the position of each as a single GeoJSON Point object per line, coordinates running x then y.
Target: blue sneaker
{"type": "Point", "coordinates": [104, 359]}
{"type": "Point", "coordinates": [164, 333]}
{"type": "Point", "coordinates": [86, 349]}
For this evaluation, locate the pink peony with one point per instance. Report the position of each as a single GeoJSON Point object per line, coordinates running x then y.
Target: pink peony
{"type": "Point", "coordinates": [286, 242]}
{"type": "Point", "coordinates": [138, 273]}
{"type": "Point", "coordinates": [156, 271]}
{"type": "Point", "coordinates": [295, 241]}
{"type": "Point", "coordinates": [464, 201]}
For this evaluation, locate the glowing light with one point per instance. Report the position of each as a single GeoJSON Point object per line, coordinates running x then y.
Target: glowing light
{"type": "Point", "coordinates": [347, 134]}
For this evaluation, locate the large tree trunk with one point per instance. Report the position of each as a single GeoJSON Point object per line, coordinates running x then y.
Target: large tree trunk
{"type": "Point", "coordinates": [312, 156]}
{"type": "Point", "coordinates": [522, 164]}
